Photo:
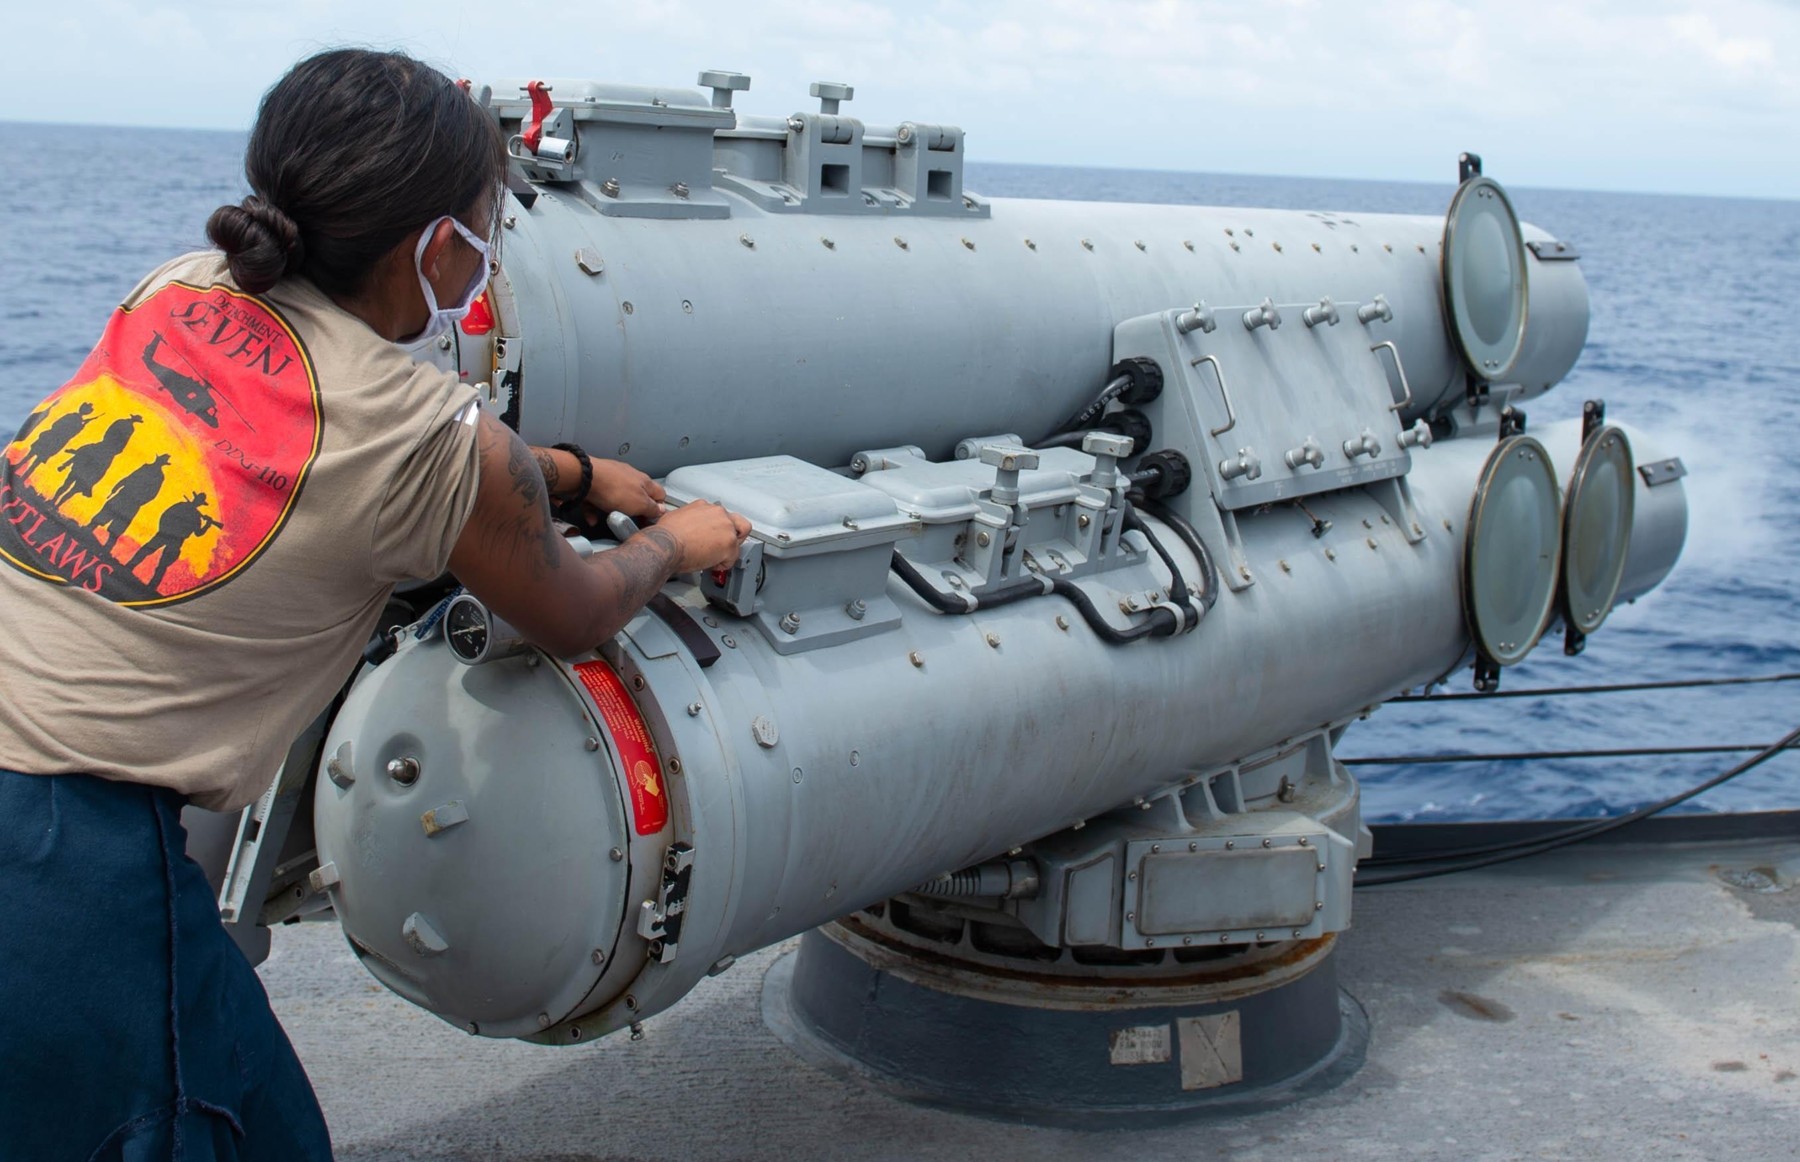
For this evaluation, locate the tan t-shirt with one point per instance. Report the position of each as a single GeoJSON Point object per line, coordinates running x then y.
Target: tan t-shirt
{"type": "Point", "coordinates": [199, 530]}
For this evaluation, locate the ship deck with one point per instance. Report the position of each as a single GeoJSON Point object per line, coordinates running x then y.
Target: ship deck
{"type": "Point", "coordinates": [1611, 1000]}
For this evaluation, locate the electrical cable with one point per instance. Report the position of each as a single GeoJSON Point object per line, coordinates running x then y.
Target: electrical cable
{"type": "Point", "coordinates": [1504, 853]}
{"type": "Point", "coordinates": [1178, 590]}
{"type": "Point", "coordinates": [1113, 390]}
{"type": "Point", "coordinates": [944, 603]}
{"type": "Point", "coordinates": [1190, 536]}
{"type": "Point", "coordinates": [1676, 684]}
{"type": "Point", "coordinates": [1631, 752]}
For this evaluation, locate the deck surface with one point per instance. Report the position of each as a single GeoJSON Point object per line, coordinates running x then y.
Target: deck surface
{"type": "Point", "coordinates": [1617, 1002]}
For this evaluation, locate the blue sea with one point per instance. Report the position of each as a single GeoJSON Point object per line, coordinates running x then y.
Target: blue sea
{"type": "Point", "coordinates": [1695, 336]}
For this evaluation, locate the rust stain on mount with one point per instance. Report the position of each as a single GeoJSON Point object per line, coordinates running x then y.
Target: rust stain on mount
{"type": "Point", "coordinates": [1476, 1008]}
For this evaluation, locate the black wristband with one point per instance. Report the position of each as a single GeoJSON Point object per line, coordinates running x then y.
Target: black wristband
{"type": "Point", "coordinates": [587, 472]}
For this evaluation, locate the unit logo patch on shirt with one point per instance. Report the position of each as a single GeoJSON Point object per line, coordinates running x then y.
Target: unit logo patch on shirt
{"type": "Point", "coordinates": [172, 458]}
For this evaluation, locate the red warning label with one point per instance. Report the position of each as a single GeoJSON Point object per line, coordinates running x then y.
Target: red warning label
{"type": "Point", "coordinates": [631, 741]}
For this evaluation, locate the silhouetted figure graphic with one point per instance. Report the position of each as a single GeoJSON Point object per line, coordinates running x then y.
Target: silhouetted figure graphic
{"type": "Point", "coordinates": [88, 464]}
{"type": "Point", "coordinates": [127, 498]}
{"type": "Point", "coordinates": [194, 395]}
{"type": "Point", "coordinates": [180, 521]}
{"type": "Point", "coordinates": [53, 439]}
{"type": "Point", "coordinates": [31, 423]}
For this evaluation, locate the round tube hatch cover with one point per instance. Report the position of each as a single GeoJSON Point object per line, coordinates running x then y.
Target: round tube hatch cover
{"type": "Point", "coordinates": [1596, 540]}
{"type": "Point", "coordinates": [1512, 555]}
{"type": "Point", "coordinates": [1484, 273]}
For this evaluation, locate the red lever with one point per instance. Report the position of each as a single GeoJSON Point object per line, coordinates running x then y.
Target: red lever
{"type": "Point", "coordinates": [720, 576]}
{"type": "Point", "coordinates": [540, 109]}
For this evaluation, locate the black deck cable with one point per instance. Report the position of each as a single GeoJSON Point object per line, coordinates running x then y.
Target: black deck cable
{"type": "Point", "coordinates": [1580, 833]}
{"type": "Point", "coordinates": [1676, 684]}
{"type": "Point", "coordinates": [1520, 756]}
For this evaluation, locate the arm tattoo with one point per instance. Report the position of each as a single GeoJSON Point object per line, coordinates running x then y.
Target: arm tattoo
{"type": "Point", "coordinates": [528, 529]}
{"type": "Point", "coordinates": [637, 569]}
{"type": "Point", "coordinates": [547, 465]}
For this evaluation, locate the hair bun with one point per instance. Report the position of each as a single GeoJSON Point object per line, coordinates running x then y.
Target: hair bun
{"type": "Point", "coordinates": [261, 243]}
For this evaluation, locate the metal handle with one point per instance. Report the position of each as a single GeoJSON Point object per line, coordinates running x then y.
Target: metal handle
{"type": "Point", "coordinates": [1401, 368]}
{"type": "Point", "coordinates": [1224, 392]}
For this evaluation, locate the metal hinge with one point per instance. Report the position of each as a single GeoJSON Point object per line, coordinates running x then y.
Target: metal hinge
{"type": "Point", "coordinates": [659, 920]}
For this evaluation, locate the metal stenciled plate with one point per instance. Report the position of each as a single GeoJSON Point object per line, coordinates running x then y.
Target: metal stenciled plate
{"type": "Point", "coordinates": [1597, 528]}
{"type": "Point", "coordinates": [1484, 278]}
{"type": "Point", "coordinates": [1513, 550]}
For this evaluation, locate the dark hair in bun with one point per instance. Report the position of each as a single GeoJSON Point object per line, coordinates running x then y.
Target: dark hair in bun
{"type": "Point", "coordinates": [352, 151]}
{"type": "Point", "coordinates": [260, 242]}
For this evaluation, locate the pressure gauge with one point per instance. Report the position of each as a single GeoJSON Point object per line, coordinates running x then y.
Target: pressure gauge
{"type": "Point", "coordinates": [475, 635]}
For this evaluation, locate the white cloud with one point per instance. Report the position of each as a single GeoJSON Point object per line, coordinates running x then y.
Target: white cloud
{"type": "Point", "coordinates": [1652, 94]}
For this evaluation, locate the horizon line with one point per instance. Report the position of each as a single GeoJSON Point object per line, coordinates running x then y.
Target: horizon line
{"type": "Point", "coordinates": [1611, 190]}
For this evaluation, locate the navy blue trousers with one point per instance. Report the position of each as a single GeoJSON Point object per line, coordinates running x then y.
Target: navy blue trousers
{"type": "Point", "coordinates": [131, 1027]}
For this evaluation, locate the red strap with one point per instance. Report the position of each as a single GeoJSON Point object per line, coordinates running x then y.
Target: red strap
{"type": "Point", "coordinates": [540, 109]}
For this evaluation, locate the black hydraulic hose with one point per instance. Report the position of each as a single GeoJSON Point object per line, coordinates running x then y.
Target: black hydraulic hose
{"type": "Point", "coordinates": [943, 603]}
{"type": "Point", "coordinates": [1506, 852]}
{"type": "Point", "coordinates": [1161, 621]}
{"type": "Point", "coordinates": [1178, 590]}
{"type": "Point", "coordinates": [1190, 536]}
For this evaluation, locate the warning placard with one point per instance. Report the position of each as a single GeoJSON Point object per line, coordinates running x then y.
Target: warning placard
{"type": "Point", "coordinates": [1140, 1045]}
{"type": "Point", "coordinates": [632, 743]}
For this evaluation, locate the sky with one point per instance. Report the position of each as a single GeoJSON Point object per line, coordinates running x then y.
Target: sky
{"type": "Point", "coordinates": [1668, 96]}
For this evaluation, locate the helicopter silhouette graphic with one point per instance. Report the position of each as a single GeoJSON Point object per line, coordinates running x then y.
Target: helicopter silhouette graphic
{"type": "Point", "coordinates": [196, 396]}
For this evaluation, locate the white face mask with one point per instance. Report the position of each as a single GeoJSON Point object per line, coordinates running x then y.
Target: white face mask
{"type": "Point", "coordinates": [442, 317]}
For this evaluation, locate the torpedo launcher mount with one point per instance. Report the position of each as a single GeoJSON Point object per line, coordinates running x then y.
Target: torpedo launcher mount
{"type": "Point", "coordinates": [1081, 535]}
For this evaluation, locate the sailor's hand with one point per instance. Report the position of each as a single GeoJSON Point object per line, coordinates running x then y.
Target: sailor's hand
{"type": "Point", "coordinates": [619, 487]}
{"type": "Point", "coordinates": [708, 536]}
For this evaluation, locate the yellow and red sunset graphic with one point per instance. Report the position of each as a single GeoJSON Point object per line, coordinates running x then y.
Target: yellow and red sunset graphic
{"type": "Point", "coordinates": [172, 458]}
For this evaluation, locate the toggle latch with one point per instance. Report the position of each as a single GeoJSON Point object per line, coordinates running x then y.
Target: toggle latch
{"type": "Point", "coordinates": [659, 920]}
{"type": "Point", "coordinates": [541, 145]}
{"type": "Point", "coordinates": [734, 589]}
{"type": "Point", "coordinates": [1007, 463]}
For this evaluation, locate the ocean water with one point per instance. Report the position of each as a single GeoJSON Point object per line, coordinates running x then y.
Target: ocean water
{"type": "Point", "coordinates": [1694, 338]}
